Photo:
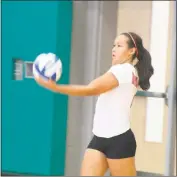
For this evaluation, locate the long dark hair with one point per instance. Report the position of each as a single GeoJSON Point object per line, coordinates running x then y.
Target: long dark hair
{"type": "Point", "coordinates": [144, 66]}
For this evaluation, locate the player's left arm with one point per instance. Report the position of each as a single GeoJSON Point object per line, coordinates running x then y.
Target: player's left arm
{"type": "Point", "coordinates": [98, 86]}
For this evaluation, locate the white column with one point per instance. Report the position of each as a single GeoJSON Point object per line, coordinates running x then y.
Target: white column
{"type": "Point", "coordinates": [171, 128]}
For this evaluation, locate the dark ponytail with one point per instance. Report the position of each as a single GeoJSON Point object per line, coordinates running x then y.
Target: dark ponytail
{"type": "Point", "coordinates": [143, 66]}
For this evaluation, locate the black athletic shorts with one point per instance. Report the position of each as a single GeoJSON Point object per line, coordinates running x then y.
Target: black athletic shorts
{"type": "Point", "coordinates": [117, 147]}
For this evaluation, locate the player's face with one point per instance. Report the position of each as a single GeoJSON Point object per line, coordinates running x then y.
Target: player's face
{"type": "Point", "coordinates": [120, 52]}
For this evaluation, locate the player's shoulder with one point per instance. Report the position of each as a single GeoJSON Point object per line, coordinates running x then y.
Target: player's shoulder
{"type": "Point", "coordinates": [123, 72]}
{"type": "Point", "coordinates": [124, 67]}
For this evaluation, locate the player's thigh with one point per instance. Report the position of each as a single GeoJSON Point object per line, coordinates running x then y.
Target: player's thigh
{"type": "Point", "coordinates": [94, 163]}
{"type": "Point", "coordinates": [122, 167]}
{"type": "Point", "coordinates": [121, 153]}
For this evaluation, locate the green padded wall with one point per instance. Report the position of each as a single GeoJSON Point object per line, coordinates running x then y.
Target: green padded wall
{"type": "Point", "coordinates": [34, 120]}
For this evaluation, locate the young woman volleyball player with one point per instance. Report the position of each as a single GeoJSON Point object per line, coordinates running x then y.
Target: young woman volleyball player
{"type": "Point", "coordinates": [113, 145]}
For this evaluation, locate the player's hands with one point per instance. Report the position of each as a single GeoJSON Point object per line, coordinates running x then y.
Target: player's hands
{"type": "Point", "coordinates": [48, 84]}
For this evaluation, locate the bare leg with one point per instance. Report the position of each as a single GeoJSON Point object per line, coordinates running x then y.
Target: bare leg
{"type": "Point", "coordinates": [122, 167]}
{"type": "Point", "coordinates": [94, 163]}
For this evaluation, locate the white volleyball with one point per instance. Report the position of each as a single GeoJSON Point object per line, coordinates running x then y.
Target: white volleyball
{"type": "Point", "coordinates": [48, 66]}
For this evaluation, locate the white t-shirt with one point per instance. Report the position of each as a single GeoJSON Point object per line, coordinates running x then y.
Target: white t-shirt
{"type": "Point", "coordinates": [112, 113]}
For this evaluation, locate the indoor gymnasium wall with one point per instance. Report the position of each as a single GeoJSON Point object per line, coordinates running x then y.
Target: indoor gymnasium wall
{"type": "Point", "coordinates": [136, 16]}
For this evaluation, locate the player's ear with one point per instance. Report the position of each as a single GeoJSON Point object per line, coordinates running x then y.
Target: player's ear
{"type": "Point", "coordinates": [132, 51]}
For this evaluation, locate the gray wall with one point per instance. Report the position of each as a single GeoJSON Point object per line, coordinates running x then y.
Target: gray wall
{"type": "Point", "coordinates": [94, 30]}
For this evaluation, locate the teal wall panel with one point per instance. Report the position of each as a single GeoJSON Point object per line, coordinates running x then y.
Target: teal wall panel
{"type": "Point", "coordinates": [33, 126]}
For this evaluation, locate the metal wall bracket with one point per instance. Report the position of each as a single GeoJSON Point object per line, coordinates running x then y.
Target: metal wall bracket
{"type": "Point", "coordinates": [166, 98]}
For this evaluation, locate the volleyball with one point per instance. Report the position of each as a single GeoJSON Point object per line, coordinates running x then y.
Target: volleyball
{"type": "Point", "coordinates": [48, 66]}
